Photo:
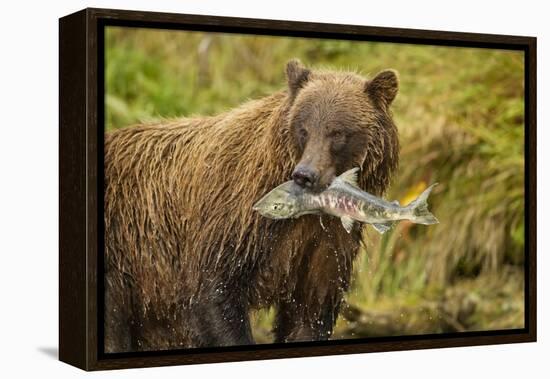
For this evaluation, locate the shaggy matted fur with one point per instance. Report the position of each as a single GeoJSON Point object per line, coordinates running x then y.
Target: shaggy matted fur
{"type": "Point", "coordinates": [186, 258]}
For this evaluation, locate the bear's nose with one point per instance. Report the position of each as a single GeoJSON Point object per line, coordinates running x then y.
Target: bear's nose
{"type": "Point", "coordinates": [305, 176]}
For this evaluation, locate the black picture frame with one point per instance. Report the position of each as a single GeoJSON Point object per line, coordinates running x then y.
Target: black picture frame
{"type": "Point", "coordinates": [81, 112]}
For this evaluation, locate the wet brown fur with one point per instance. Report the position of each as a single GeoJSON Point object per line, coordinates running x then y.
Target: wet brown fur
{"type": "Point", "coordinates": [186, 258]}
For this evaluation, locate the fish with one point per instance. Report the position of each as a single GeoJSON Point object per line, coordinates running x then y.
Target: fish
{"type": "Point", "coordinates": [344, 199]}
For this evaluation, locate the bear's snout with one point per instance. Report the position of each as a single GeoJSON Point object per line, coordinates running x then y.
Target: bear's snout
{"type": "Point", "coordinates": [305, 176]}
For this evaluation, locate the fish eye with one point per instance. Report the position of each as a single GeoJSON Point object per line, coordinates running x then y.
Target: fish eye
{"type": "Point", "coordinates": [277, 206]}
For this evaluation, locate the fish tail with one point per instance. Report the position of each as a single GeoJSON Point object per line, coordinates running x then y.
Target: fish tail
{"type": "Point", "coordinates": [419, 208]}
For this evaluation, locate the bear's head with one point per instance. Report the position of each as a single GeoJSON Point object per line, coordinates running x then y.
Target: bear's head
{"type": "Point", "coordinates": [340, 120]}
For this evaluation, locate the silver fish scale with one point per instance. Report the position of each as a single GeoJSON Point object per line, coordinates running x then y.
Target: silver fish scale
{"type": "Point", "coordinates": [343, 199]}
{"type": "Point", "coordinates": [339, 202]}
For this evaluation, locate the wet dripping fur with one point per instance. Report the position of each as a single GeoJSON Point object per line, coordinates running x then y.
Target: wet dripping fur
{"type": "Point", "coordinates": [186, 258]}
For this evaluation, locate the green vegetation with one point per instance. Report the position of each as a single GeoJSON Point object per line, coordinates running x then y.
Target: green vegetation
{"type": "Point", "coordinates": [460, 117]}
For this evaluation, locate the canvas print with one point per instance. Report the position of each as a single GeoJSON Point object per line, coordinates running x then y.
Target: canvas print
{"type": "Point", "coordinates": [276, 190]}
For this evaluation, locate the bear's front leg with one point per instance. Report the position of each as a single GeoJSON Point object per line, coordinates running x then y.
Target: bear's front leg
{"type": "Point", "coordinates": [225, 320]}
{"type": "Point", "coordinates": [293, 324]}
{"type": "Point", "coordinates": [118, 330]}
{"type": "Point", "coordinates": [310, 311]}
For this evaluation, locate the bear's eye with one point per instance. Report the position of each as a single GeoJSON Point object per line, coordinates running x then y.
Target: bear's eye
{"type": "Point", "coordinates": [338, 139]}
{"type": "Point", "coordinates": [337, 134]}
{"type": "Point", "coordinates": [302, 135]}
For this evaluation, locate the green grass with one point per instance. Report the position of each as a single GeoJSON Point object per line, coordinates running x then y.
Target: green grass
{"type": "Point", "coordinates": [460, 117]}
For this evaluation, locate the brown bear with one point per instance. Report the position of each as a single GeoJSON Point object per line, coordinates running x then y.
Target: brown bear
{"type": "Point", "coordinates": [186, 258]}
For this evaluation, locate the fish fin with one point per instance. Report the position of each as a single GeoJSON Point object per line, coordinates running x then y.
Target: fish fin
{"type": "Point", "coordinates": [382, 228]}
{"type": "Point", "coordinates": [350, 176]}
{"type": "Point", "coordinates": [419, 207]}
{"type": "Point", "coordinates": [347, 222]}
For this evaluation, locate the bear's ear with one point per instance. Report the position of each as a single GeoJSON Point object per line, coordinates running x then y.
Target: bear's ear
{"type": "Point", "coordinates": [383, 87]}
{"type": "Point", "coordinates": [297, 75]}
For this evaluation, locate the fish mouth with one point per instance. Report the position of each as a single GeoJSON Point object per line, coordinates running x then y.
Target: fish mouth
{"type": "Point", "coordinates": [258, 207]}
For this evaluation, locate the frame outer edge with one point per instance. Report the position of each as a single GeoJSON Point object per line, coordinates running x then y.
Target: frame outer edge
{"type": "Point", "coordinates": [79, 147]}
{"type": "Point", "coordinates": [72, 178]}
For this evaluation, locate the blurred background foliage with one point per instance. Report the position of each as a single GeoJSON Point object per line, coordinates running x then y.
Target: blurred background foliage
{"type": "Point", "coordinates": [460, 115]}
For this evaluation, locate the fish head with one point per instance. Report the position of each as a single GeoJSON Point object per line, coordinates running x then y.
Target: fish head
{"type": "Point", "coordinates": [279, 203]}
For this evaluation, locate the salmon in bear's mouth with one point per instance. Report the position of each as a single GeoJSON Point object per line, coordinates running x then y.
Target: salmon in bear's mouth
{"type": "Point", "coordinates": [344, 199]}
